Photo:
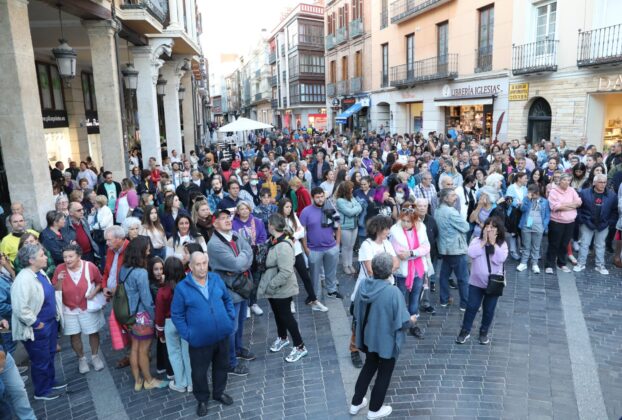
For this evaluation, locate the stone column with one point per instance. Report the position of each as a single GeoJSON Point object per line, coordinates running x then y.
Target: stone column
{"type": "Point", "coordinates": [172, 73]}
{"type": "Point", "coordinates": [147, 61]}
{"type": "Point", "coordinates": [187, 104]}
{"type": "Point", "coordinates": [21, 123]}
{"type": "Point", "coordinates": [173, 14]}
{"type": "Point", "coordinates": [106, 77]}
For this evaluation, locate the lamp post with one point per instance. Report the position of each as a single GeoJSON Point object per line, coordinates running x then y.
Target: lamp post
{"type": "Point", "coordinates": [130, 81]}
{"type": "Point", "coordinates": [181, 93]}
{"type": "Point", "coordinates": [161, 86]}
{"type": "Point", "coordinates": [65, 55]}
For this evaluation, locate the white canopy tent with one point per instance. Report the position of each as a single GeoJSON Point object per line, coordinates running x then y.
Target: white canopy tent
{"type": "Point", "coordinates": [243, 124]}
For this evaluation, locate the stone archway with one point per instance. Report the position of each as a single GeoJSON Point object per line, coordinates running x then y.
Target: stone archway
{"type": "Point", "coordinates": [539, 120]}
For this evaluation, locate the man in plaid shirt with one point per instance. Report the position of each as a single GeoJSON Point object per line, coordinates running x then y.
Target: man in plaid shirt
{"type": "Point", "coordinates": [427, 190]}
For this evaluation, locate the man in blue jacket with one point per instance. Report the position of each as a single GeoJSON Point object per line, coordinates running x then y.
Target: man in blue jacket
{"type": "Point", "coordinates": [202, 311]}
{"type": "Point", "coordinates": [597, 213]}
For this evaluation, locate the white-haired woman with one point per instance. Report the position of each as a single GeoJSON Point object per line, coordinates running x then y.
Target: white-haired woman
{"type": "Point", "coordinates": [131, 225]}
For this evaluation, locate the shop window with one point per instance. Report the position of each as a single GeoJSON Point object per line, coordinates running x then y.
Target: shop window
{"type": "Point", "coordinates": [88, 92]}
{"type": "Point", "coordinates": [539, 122]}
{"type": "Point", "coordinates": [50, 87]}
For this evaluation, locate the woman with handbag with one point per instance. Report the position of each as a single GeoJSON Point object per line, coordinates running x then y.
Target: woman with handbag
{"type": "Point", "coordinates": [136, 280]}
{"type": "Point", "coordinates": [488, 254]}
{"type": "Point", "coordinates": [279, 285]}
{"type": "Point", "coordinates": [100, 219]}
{"type": "Point", "coordinates": [80, 284]}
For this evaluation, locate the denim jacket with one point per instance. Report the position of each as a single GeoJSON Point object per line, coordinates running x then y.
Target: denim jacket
{"type": "Point", "coordinates": [137, 288]}
{"type": "Point", "coordinates": [545, 212]}
{"type": "Point", "coordinates": [452, 230]}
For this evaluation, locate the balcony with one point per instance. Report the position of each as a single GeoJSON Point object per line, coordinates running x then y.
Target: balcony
{"type": "Point", "coordinates": [272, 57]}
{"type": "Point", "coordinates": [600, 46]}
{"type": "Point", "coordinates": [342, 35]}
{"type": "Point", "coordinates": [261, 97]}
{"type": "Point", "coordinates": [356, 84]}
{"type": "Point", "coordinates": [402, 10]}
{"type": "Point", "coordinates": [330, 41]}
{"type": "Point", "coordinates": [156, 8]}
{"type": "Point", "coordinates": [535, 57]}
{"type": "Point", "coordinates": [483, 59]}
{"type": "Point", "coordinates": [310, 41]}
{"type": "Point", "coordinates": [273, 80]}
{"type": "Point", "coordinates": [356, 28]}
{"type": "Point", "coordinates": [434, 68]}
{"type": "Point", "coordinates": [342, 87]}
{"type": "Point", "coordinates": [274, 103]}
{"type": "Point", "coordinates": [331, 89]}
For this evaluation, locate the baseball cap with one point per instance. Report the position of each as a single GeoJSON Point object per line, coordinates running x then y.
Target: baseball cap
{"type": "Point", "coordinates": [221, 211]}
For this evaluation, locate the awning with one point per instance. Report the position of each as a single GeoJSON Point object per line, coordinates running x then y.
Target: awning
{"type": "Point", "coordinates": [464, 100]}
{"type": "Point", "coordinates": [356, 107]}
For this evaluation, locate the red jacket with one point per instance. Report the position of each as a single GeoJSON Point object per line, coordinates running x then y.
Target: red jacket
{"type": "Point", "coordinates": [304, 199]}
{"type": "Point", "coordinates": [163, 308]}
{"type": "Point", "coordinates": [109, 258]}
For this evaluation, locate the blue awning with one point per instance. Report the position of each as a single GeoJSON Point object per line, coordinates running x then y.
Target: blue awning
{"type": "Point", "coordinates": [341, 118]}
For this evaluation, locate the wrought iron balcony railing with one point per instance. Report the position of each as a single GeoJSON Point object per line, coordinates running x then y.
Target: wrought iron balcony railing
{"type": "Point", "coordinates": [342, 87]}
{"type": "Point", "coordinates": [535, 57]}
{"type": "Point", "coordinates": [402, 10]}
{"type": "Point", "coordinates": [356, 28]}
{"type": "Point", "coordinates": [330, 41]}
{"type": "Point", "coordinates": [156, 8]}
{"type": "Point", "coordinates": [272, 57]}
{"type": "Point", "coordinates": [483, 59]}
{"type": "Point", "coordinates": [356, 84]}
{"type": "Point", "coordinates": [600, 46]}
{"type": "Point", "coordinates": [274, 103]}
{"type": "Point", "coordinates": [342, 35]}
{"type": "Point", "coordinates": [331, 89]}
{"type": "Point", "coordinates": [434, 68]}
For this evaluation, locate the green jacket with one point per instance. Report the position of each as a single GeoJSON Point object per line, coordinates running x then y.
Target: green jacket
{"type": "Point", "coordinates": [279, 279]}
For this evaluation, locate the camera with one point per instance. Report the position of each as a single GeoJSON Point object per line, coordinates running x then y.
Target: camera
{"type": "Point", "coordinates": [330, 217]}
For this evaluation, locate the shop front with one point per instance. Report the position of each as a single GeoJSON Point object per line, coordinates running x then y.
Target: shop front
{"type": "Point", "coordinates": [604, 112]}
{"type": "Point", "coordinates": [354, 113]}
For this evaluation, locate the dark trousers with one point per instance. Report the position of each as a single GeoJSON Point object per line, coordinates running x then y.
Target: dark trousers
{"type": "Point", "coordinates": [559, 237]}
{"type": "Point", "coordinates": [303, 272]}
{"type": "Point", "coordinates": [285, 320]}
{"type": "Point", "coordinates": [41, 352]}
{"type": "Point", "coordinates": [476, 296]}
{"type": "Point", "coordinates": [217, 355]}
{"type": "Point", "coordinates": [459, 266]}
{"type": "Point", "coordinates": [374, 363]}
{"type": "Point", "coordinates": [162, 362]}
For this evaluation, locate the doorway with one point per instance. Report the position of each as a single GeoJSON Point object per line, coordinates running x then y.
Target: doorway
{"type": "Point", "coordinates": [539, 121]}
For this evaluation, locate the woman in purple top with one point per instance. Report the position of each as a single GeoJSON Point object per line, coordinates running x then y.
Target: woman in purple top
{"type": "Point", "coordinates": [491, 242]}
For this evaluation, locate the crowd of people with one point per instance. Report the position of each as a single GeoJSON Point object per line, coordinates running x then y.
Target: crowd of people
{"type": "Point", "coordinates": [183, 252]}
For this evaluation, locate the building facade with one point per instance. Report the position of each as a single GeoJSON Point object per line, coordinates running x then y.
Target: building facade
{"type": "Point", "coordinates": [296, 57]}
{"type": "Point", "coordinates": [348, 61]}
{"type": "Point", "coordinates": [567, 83]}
{"type": "Point", "coordinates": [51, 111]}
{"type": "Point", "coordinates": [441, 64]}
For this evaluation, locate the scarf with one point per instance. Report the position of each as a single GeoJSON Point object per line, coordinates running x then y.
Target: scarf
{"type": "Point", "coordinates": [415, 265]}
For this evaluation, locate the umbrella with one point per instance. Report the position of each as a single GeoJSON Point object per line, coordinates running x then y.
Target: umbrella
{"type": "Point", "coordinates": [243, 124]}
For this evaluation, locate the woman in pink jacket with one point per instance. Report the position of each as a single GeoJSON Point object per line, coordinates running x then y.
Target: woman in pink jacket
{"type": "Point", "coordinates": [564, 202]}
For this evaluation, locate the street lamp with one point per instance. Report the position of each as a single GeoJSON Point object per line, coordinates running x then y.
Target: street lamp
{"type": "Point", "coordinates": [130, 77]}
{"type": "Point", "coordinates": [161, 86]}
{"type": "Point", "coordinates": [65, 55]}
{"type": "Point", "coordinates": [181, 92]}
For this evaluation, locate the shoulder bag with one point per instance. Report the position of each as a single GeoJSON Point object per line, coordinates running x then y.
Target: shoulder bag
{"type": "Point", "coordinates": [496, 282]}
{"type": "Point", "coordinates": [99, 300]}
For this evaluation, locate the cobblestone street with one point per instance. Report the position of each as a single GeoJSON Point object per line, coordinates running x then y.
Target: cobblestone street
{"type": "Point", "coordinates": [526, 372]}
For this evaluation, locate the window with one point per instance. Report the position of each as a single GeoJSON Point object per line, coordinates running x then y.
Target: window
{"type": "Point", "coordinates": [292, 31]}
{"type": "Point", "coordinates": [344, 67]}
{"type": "Point", "coordinates": [50, 87]}
{"type": "Point", "coordinates": [357, 9]}
{"type": "Point", "coordinates": [312, 64]}
{"type": "Point", "coordinates": [384, 15]}
{"type": "Point", "coordinates": [486, 31]}
{"type": "Point", "coordinates": [385, 66]}
{"type": "Point", "coordinates": [358, 64]}
{"type": "Point", "coordinates": [293, 65]}
{"type": "Point", "coordinates": [333, 71]}
{"type": "Point", "coordinates": [88, 91]}
{"type": "Point", "coordinates": [545, 28]}
{"type": "Point", "coordinates": [307, 93]}
{"type": "Point", "coordinates": [330, 24]}
{"type": "Point", "coordinates": [442, 46]}
{"type": "Point", "coordinates": [410, 55]}
{"type": "Point", "coordinates": [341, 18]}
{"type": "Point", "coordinates": [310, 34]}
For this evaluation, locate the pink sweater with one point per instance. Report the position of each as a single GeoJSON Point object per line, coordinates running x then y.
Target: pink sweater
{"type": "Point", "coordinates": [558, 198]}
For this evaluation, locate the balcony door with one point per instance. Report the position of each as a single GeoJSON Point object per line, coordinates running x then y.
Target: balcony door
{"type": "Point", "coordinates": [546, 16]}
{"type": "Point", "coordinates": [385, 66]}
{"type": "Point", "coordinates": [539, 121]}
{"type": "Point", "coordinates": [410, 56]}
{"type": "Point", "coordinates": [485, 38]}
{"type": "Point", "coordinates": [442, 46]}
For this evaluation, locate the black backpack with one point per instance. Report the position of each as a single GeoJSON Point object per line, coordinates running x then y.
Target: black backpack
{"type": "Point", "coordinates": [121, 304]}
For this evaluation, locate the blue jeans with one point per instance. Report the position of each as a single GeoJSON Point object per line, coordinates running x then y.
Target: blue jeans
{"type": "Point", "coordinates": [476, 295]}
{"type": "Point", "coordinates": [41, 352]}
{"type": "Point", "coordinates": [178, 354]}
{"type": "Point", "coordinates": [412, 297]}
{"type": "Point", "coordinates": [328, 261]}
{"type": "Point", "coordinates": [15, 398]}
{"type": "Point", "coordinates": [235, 339]}
{"type": "Point", "coordinates": [457, 264]}
{"type": "Point", "coordinates": [9, 344]}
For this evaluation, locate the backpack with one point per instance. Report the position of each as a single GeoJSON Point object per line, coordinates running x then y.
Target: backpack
{"type": "Point", "coordinates": [121, 304]}
{"type": "Point", "coordinates": [261, 255]}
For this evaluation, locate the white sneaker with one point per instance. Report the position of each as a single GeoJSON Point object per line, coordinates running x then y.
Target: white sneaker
{"type": "Point", "coordinates": [549, 270]}
{"type": "Point", "coordinates": [318, 306]}
{"type": "Point", "coordinates": [256, 309]}
{"type": "Point", "coordinates": [565, 269]}
{"type": "Point", "coordinates": [292, 307]}
{"type": "Point", "coordinates": [602, 270]}
{"type": "Point", "coordinates": [384, 411]}
{"type": "Point", "coordinates": [572, 259]}
{"type": "Point", "coordinates": [278, 344]}
{"type": "Point", "coordinates": [296, 354]}
{"type": "Point", "coordinates": [174, 387]}
{"type": "Point", "coordinates": [83, 365]}
{"type": "Point", "coordinates": [578, 268]}
{"type": "Point", "coordinates": [190, 389]}
{"type": "Point", "coordinates": [354, 409]}
{"type": "Point", "coordinates": [248, 313]}
{"type": "Point", "coordinates": [98, 363]}
{"type": "Point", "coordinates": [521, 267]}
{"type": "Point", "coordinates": [535, 268]}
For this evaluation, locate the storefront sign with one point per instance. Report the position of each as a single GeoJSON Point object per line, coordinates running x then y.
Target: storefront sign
{"type": "Point", "coordinates": [347, 102]}
{"type": "Point", "coordinates": [519, 92]}
{"type": "Point", "coordinates": [54, 119]}
{"type": "Point", "coordinates": [317, 121]}
{"type": "Point", "coordinates": [92, 122]}
{"type": "Point", "coordinates": [609, 83]}
{"type": "Point", "coordinates": [471, 90]}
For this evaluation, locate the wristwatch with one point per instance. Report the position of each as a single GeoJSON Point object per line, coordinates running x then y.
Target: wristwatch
{"type": "Point", "coordinates": [412, 253]}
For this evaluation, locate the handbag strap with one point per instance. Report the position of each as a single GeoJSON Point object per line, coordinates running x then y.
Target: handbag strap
{"type": "Point", "coordinates": [488, 262]}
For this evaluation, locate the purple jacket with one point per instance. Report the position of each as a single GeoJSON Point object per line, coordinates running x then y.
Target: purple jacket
{"type": "Point", "coordinates": [244, 230]}
{"type": "Point", "coordinates": [479, 267]}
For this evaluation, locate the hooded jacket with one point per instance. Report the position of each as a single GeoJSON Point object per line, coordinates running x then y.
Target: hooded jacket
{"type": "Point", "coordinates": [384, 331]}
{"type": "Point", "coordinates": [557, 198]}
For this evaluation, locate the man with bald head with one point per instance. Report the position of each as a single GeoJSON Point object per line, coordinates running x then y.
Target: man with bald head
{"type": "Point", "coordinates": [202, 311]}
{"type": "Point", "coordinates": [18, 208]}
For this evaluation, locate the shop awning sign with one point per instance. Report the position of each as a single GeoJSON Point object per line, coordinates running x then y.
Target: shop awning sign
{"type": "Point", "coordinates": [519, 92]}
{"type": "Point", "coordinates": [54, 118]}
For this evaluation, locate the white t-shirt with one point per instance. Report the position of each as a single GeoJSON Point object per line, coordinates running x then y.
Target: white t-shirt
{"type": "Point", "coordinates": [368, 250]}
